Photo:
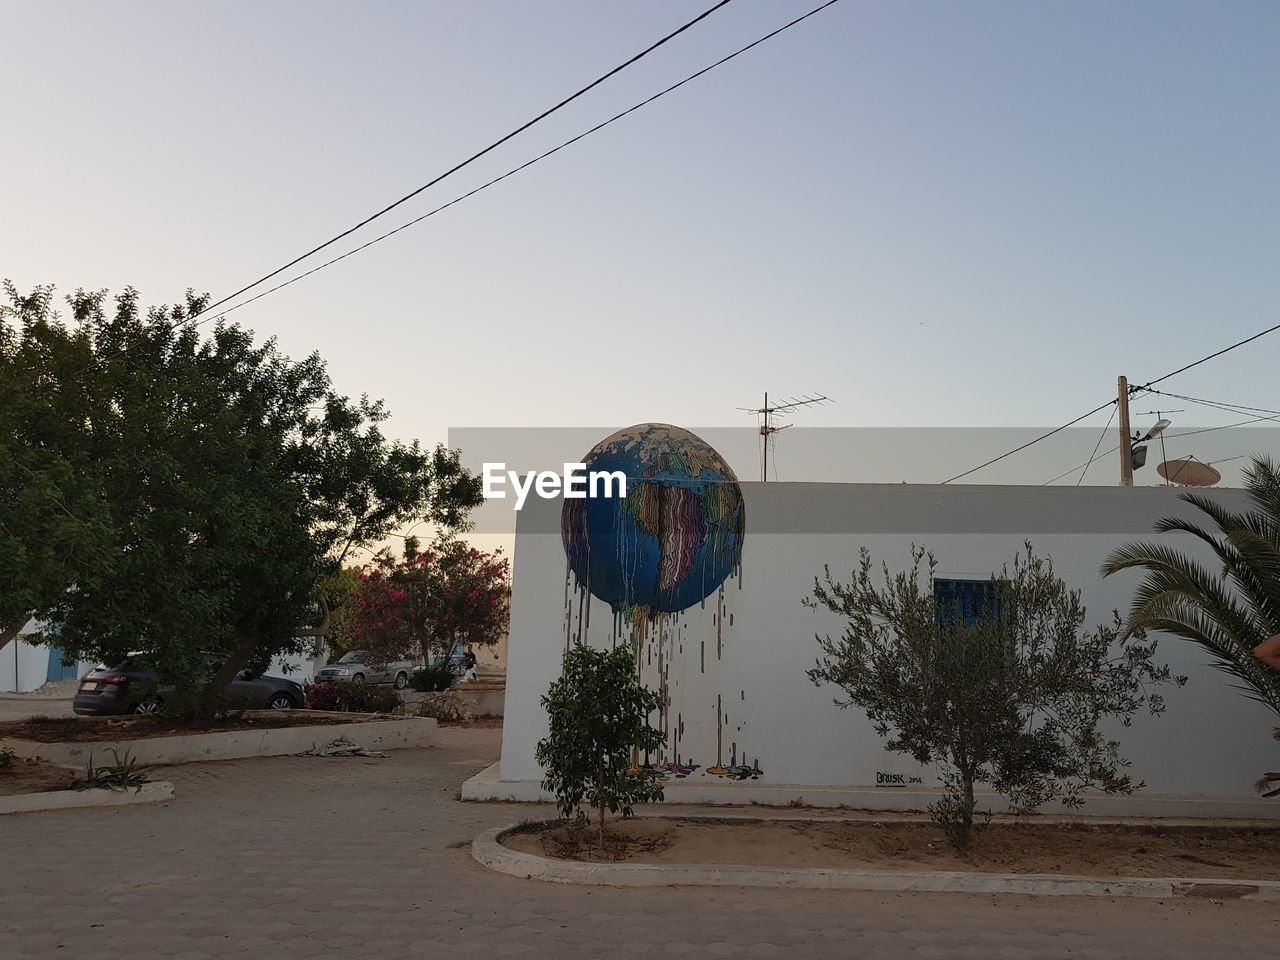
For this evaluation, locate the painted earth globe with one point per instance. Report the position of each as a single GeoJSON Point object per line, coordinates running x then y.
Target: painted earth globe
{"type": "Point", "coordinates": [676, 535]}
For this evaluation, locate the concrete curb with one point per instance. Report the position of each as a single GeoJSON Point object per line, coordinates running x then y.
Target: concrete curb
{"type": "Point", "coordinates": [487, 850]}
{"type": "Point", "coordinates": [154, 792]}
{"type": "Point", "coordinates": [483, 699]}
{"type": "Point", "coordinates": [488, 785]}
{"type": "Point", "coordinates": [381, 734]}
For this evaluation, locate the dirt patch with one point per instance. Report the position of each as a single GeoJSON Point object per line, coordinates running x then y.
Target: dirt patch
{"type": "Point", "coordinates": [97, 729]}
{"type": "Point", "coordinates": [481, 723]}
{"type": "Point", "coordinates": [639, 841]}
{"type": "Point", "coordinates": [33, 776]}
{"type": "Point", "coordinates": [1056, 848]}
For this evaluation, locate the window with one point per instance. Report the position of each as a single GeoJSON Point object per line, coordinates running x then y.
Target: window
{"type": "Point", "coordinates": [962, 609]}
{"type": "Point", "coordinates": [963, 602]}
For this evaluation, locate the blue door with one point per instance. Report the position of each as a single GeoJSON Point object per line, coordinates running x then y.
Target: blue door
{"type": "Point", "coordinates": [56, 670]}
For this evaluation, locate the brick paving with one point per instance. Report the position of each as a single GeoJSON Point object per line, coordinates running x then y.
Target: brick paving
{"type": "Point", "coordinates": [360, 858]}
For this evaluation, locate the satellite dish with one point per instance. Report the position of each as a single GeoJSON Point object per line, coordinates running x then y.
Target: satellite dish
{"type": "Point", "coordinates": [1189, 472]}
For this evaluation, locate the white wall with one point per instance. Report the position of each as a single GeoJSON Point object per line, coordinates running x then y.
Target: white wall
{"type": "Point", "coordinates": [294, 667]}
{"type": "Point", "coordinates": [25, 666]}
{"type": "Point", "coordinates": [1212, 741]}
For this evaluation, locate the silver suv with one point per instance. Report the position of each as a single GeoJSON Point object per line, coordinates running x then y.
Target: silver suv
{"type": "Point", "coordinates": [354, 667]}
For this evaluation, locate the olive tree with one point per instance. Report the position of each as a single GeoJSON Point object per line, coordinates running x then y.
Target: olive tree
{"type": "Point", "coordinates": [1005, 688]}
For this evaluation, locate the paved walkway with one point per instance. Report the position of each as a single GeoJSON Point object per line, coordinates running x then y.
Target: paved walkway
{"type": "Point", "coordinates": [19, 706]}
{"type": "Point", "coordinates": [354, 859]}
{"type": "Point", "coordinates": [54, 690]}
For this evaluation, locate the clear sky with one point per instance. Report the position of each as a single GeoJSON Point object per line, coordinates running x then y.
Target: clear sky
{"type": "Point", "coordinates": [969, 214]}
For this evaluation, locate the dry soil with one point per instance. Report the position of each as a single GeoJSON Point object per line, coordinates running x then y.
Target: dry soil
{"type": "Point", "coordinates": [1056, 848]}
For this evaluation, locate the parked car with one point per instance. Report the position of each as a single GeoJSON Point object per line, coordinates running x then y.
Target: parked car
{"type": "Point", "coordinates": [354, 667]}
{"type": "Point", "coordinates": [132, 686]}
{"type": "Point", "coordinates": [455, 659]}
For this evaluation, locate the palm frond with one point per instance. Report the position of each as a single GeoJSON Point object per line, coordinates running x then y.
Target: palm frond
{"type": "Point", "coordinates": [1262, 483]}
{"type": "Point", "coordinates": [1228, 613]}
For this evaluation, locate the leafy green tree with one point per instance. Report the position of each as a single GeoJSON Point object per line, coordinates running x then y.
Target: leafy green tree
{"type": "Point", "coordinates": [220, 483]}
{"type": "Point", "coordinates": [1227, 608]}
{"type": "Point", "coordinates": [336, 601]}
{"type": "Point", "coordinates": [52, 523]}
{"type": "Point", "coordinates": [598, 711]}
{"type": "Point", "coordinates": [1010, 692]}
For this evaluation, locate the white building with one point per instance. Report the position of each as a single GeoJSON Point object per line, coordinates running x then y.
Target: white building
{"type": "Point", "coordinates": [27, 666]}
{"type": "Point", "coordinates": [736, 664]}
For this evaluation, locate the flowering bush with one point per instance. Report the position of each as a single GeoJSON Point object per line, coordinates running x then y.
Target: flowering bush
{"type": "Point", "coordinates": [354, 697]}
{"type": "Point", "coordinates": [427, 602]}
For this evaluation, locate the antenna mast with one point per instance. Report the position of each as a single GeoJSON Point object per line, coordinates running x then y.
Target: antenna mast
{"type": "Point", "coordinates": [767, 426]}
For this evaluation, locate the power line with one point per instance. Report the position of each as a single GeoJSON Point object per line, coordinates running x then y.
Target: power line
{"type": "Point", "coordinates": [1219, 404]}
{"type": "Point", "coordinates": [514, 170]}
{"type": "Point", "coordinates": [1229, 408]}
{"type": "Point", "coordinates": [1172, 436]}
{"type": "Point", "coordinates": [1036, 440]}
{"type": "Point", "coordinates": [1209, 357]}
{"type": "Point", "coordinates": [1225, 426]}
{"type": "Point", "coordinates": [1105, 453]}
{"type": "Point", "coordinates": [454, 169]}
{"type": "Point", "coordinates": [1094, 456]}
{"type": "Point", "coordinates": [476, 156]}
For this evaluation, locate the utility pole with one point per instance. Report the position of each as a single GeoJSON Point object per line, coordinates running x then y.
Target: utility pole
{"type": "Point", "coordinates": [766, 430]}
{"type": "Point", "coordinates": [1126, 438]}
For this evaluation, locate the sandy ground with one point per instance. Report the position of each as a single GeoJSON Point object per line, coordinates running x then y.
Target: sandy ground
{"type": "Point", "coordinates": [33, 776]}
{"type": "Point", "coordinates": [20, 707]}
{"type": "Point", "coordinates": [361, 859]}
{"type": "Point", "coordinates": [1058, 848]}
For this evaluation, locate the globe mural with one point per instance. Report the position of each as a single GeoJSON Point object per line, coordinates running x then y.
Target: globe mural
{"type": "Point", "coordinates": [676, 535]}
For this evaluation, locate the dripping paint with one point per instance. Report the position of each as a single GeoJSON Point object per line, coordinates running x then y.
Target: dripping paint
{"type": "Point", "coordinates": [674, 538]}
{"type": "Point", "coordinates": [668, 546]}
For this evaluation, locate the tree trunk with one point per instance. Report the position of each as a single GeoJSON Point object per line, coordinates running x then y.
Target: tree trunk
{"type": "Point", "coordinates": [600, 786]}
{"type": "Point", "coordinates": [323, 629]}
{"type": "Point", "coordinates": [969, 803]}
{"type": "Point", "coordinates": [320, 633]}
{"type": "Point", "coordinates": [10, 633]}
{"type": "Point", "coordinates": [217, 686]}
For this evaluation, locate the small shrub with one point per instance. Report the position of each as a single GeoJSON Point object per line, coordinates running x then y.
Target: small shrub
{"type": "Point", "coordinates": [6, 758]}
{"type": "Point", "coordinates": [352, 697]}
{"type": "Point", "coordinates": [430, 679]}
{"type": "Point", "coordinates": [527, 826]}
{"type": "Point", "coordinates": [599, 713]}
{"type": "Point", "coordinates": [120, 775]}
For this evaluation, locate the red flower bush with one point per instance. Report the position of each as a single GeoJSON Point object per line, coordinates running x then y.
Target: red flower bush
{"type": "Point", "coordinates": [425, 603]}
{"type": "Point", "coordinates": [357, 698]}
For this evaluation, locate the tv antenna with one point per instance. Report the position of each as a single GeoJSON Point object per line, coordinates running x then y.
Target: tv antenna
{"type": "Point", "coordinates": [768, 427]}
